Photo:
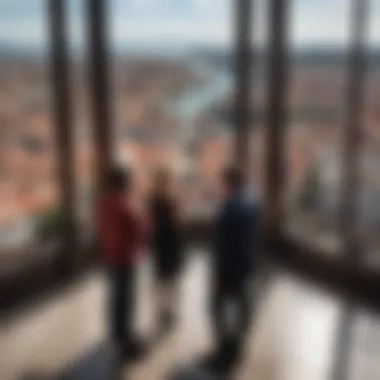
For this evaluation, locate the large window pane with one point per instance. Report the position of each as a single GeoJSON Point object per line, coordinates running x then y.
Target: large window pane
{"type": "Point", "coordinates": [28, 183]}
{"type": "Point", "coordinates": [318, 67]}
{"type": "Point", "coordinates": [84, 162]}
{"type": "Point", "coordinates": [172, 89]}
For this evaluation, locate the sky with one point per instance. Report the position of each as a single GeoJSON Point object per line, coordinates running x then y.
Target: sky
{"type": "Point", "coordinates": [187, 22]}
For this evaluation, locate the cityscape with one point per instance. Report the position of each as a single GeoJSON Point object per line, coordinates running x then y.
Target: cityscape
{"type": "Point", "coordinates": [190, 189]}
{"type": "Point", "coordinates": [176, 111]}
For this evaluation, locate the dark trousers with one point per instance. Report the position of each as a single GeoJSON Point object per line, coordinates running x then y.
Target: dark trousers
{"type": "Point", "coordinates": [122, 304]}
{"type": "Point", "coordinates": [233, 292]}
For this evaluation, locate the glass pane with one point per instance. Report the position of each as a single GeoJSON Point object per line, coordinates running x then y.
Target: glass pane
{"type": "Point", "coordinates": [172, 90]}
{"type": "Point", "coordinates": [318, 47]}
{"type": "Point", "coordinates": [30, 197]}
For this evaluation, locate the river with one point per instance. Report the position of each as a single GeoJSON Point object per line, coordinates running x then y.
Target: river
{"type": "Point", "coordinates": [198, 98]}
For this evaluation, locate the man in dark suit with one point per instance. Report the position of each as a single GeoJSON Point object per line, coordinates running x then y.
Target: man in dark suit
{"type": "Point", "coordinates": [235, 249]}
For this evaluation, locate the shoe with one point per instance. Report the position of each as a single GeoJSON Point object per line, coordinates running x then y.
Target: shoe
{"type": "Point", "coordinates": [167, 321]}
{"type": "Point", "coordinates": [213, 361]}
{"type": "Point", "coordinates": [210, 361]}
{"type": "Point", "coordinates": [133, 351]}
{"type": "Point", "coordinates": [224, 359]}
{"type": "Point", "coordinates": [235, 350]}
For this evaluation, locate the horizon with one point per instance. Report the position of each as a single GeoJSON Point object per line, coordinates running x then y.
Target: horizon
{"type": "Point", "coordinates": [171, 50]}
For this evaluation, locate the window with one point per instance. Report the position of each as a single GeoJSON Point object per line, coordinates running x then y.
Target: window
{"type": "Point", "coordinates": [28, 184]}
{"type": "Point", "coordinates": [172, 78]}
{"type": "Point", "coordinates": [319, 37]}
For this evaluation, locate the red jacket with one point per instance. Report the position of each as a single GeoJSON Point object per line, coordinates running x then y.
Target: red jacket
{"type": "Point", "coordinates": [122, 230]}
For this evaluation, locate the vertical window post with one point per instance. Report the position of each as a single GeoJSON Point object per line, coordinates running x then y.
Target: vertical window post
{"type": "Point", "coordinates": [352, 133]}
{"type": "Point", "coordinates": [99, 85]}
{"type": "Point", "coordinates": [63, 122]}
{"type": "Point", "coordinates": [276, 119]}
{"type": "Point", "coordinates": [243, 64]}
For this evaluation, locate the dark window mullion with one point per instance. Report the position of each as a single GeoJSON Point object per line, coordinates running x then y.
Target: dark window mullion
{"type": "Point", "coordinates": [63, 113]}
{"type": "Point", "coordinates": [243, 64]}
{"type": "Point", "coordinates": [99, 83]}
{"type": "Point", "coordinates": [276, 117]}
{"type": "Point", "coordinates": [353, 132]}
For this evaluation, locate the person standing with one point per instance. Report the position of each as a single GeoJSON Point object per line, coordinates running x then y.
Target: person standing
{"type": "Point", "coordinates": [167, 247]}
{"type": "Point", "coordinates": [233, 262]}
{"type": "Point", "coordinates": [123, 232]}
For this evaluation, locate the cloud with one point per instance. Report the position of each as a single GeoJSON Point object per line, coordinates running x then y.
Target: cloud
{"type": "Point", "coordinates": [320, 21]}
{"type": "Point", "coordinates": [329, 22]}
{"type": "Point", "coordinates": [14, 8]}
{"type": "Point", "coordinates": [187, 30]}
{"type": "Point", "coordinates": [169, 20]}
{"type": "Point", "coordinates": [203, 4]}
{"type": "Point", "coordinates": [143, 4]}
{"type": "Point", "coordinates": [170, 8]}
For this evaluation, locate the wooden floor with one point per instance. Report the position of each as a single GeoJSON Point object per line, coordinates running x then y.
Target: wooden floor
{"type": "Point", "coordinates": [294, 336]}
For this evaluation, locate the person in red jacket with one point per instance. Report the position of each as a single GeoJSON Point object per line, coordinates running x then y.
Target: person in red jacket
{"type": "Point", "coordinates": [123, 232]}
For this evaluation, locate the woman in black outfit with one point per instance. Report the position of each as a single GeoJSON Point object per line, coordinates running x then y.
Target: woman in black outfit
{"type": "Point", "coordinates": [166, 246]}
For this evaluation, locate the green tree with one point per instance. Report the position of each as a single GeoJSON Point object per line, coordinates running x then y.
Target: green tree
{"type": "Point", "coordinates": [49, 223]}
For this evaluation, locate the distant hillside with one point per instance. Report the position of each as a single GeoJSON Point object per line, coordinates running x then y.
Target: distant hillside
{"type": "Point", "coordinates": [217, 56]}
{"type": "Point", "coordinates": [317, 56]}
{"type": "Point", "coordinates": [24, 53]}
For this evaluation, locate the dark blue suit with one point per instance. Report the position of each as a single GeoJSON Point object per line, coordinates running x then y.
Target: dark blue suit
{"type": "Point", "coordinates": [235, 253]}
{"type": "Point", "coordinates": [235, 241]}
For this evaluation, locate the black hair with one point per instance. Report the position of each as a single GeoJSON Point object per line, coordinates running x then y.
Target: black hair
{"type": "Point", "coordinates": [233, 177]}
{"type": "Point", "coordinates": [117, 178]}
{"type": "Point", "coordinates": [162, 174]}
